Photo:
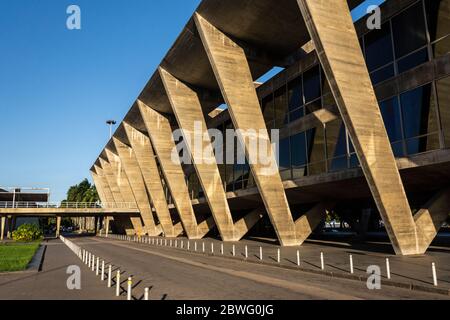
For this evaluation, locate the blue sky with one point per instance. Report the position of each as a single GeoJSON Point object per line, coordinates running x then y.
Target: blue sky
{"type": "Point", "coordinates": [58, 87]}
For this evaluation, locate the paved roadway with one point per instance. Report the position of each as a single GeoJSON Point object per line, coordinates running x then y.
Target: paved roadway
{"type": "Point", "coordinates": [175, 274]}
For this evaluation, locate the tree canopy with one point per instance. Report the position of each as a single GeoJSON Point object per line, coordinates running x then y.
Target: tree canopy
{"type": "Point", "coordinates": [82, 192]}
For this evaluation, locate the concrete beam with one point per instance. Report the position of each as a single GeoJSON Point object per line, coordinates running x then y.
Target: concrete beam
{"type": "Point", "coordinates": [233, 74]}
{"type": "Point", "coordinates": [330, 26]}
{"type": "Point", "coordinates": [146, 160]}
{"type": "Point", "coordinates": [160, 133]}
{"type": "Point", "coordinates": [430, 218]}
{"type": "Point", "coordinates": [58, 226]}
{"type": "Point", "coordinates": [187, 108]}
{"type": "Point", "coordinates": [133, 172]}
{"type": "Point", "coordinates": [2, 227]}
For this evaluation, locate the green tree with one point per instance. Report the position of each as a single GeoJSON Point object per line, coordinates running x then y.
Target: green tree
{"type": "Point", "coordinates": [82, 192]}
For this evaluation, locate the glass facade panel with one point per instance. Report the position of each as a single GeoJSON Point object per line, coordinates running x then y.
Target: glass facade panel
{"type": "Point", "coordinates": [295, 94]}
{"type": "Point", "coordinates": [409, 30]}
{"type": "Point", "coordinates": [268, 109]}
{"type": "Point", "coordinates": [390, 110]}
{"type": "Point", "coordinates": [281, 107]}
{"type": "Point", "coordinates": [311, 84]}
{"type": "Point", "coordinates": [382, 74]}
{"type": "Point", "coordinates": [378, 47]}
{"type": "Point", "coordinates": [315, 143]}
{"type": "Point", "coordinates": [413, 60]}
{"type": "Point", "coordinates": [298, 150]}
{"type": "Point", "coordinates": [284, 159]}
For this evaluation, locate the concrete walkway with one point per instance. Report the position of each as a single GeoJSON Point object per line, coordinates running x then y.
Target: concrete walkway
{"type": "Point", "coordinates": [50, 282]}
{"type": "Point", "coordinates": [177, 274]}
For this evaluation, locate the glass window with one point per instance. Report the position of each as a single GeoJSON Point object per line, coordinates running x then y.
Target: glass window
{"type": "Point", "coordinates": [297, 114]}
{"type": "Point", "coordinates": [268, 108]}
{"type": "Point", "coordinates": [315, 142]}
{"type": "Point", "coordinates": [379, 47]}
{"type": "Point", "coordinates": [284, 159]}
{"type": "Point", "coordinates": [311, 84]}
{"type": "Point", "coordinates": [443, 93]}
{"type": "Point", "coordinates": [438, 18]}
{"type": "Point", "coordinates": [382, 74]}
{"type": "Point", "coordinates": [390, 110]}
{"type": "Point", "coordinates": [409, 30]}
{"type": "Point", "coordinates": [298, 150]}
{"type": "Point", "coordinates": [413, 60]}
{"type": "Point", "coordinates": [280, 107]}
{"type": "Point", "coordinates": [336, 145]}
{"type": "Point", "coordinates": [416, 111]}
{"type": "Point", "coordinates": [295, 94]}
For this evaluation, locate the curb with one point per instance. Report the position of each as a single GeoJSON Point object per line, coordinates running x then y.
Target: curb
{"type": "Point", "coordinates": [389, 283]}
{"type": "Point", "coordinates": [35, 264]}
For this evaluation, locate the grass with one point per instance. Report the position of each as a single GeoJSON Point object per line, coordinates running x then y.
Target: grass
{"type": "Point", "coordinates": [16, 256]}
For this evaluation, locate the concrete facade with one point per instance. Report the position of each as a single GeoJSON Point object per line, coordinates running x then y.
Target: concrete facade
{"type": "Point", "coordinates": [335, 104]}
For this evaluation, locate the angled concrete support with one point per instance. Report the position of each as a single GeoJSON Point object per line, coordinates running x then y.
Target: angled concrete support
{"type": "Point", "coordinates": [232, 72]}
{"type": "Point", "coordinates": [160, 133]}
{"type": "Point", "coordinates": [124, 187]}
{"type": "Point", "coordinates": [146, 159]}
{"type": "Point", "coordinates": [123, 222]}
{"type": "Point", "coordinates": [133, 172]}
{"type": "Point", "coordinates": [430, 218]}
{"type": "Point", "coordinates": [188, 111]}
{"type": "Point", "coordinates": [331, 28]}
{"type": "Point", "coordinates": [307, 223]}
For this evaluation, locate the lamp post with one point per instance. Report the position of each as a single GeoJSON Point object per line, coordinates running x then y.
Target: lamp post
{"type": "Point", "coordinates": [110, 123]}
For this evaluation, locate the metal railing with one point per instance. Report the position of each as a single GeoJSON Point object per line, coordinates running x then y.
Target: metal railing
{"type": "Point", "coordinates": [66, 205]}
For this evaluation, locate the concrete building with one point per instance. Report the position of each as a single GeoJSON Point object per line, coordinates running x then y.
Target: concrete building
{"type": "Point", "coordinates": [363, 118]}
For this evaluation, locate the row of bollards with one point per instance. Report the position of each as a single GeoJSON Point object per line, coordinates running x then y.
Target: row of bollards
{"type": "Point", "coordinates": [174, 243]}
{"type": "Point", "coordinates": [93, 263]}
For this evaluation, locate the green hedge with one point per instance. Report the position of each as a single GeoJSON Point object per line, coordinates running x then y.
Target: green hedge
{"type": "Point", "coordinates": [27, 233]}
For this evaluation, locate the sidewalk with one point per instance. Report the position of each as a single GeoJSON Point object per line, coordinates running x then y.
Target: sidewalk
{"type": "Point", "coordinates": [50, 282]}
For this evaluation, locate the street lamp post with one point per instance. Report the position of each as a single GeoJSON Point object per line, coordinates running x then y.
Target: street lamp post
{"type": "Point", "coordinates": [110, 123]}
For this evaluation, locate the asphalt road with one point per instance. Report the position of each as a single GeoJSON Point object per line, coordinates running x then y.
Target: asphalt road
{"type": "Point", "coordinates": [175, 274]}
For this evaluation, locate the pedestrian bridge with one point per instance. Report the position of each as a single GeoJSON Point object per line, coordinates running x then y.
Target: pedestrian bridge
{"type": "Point", "coordinates": [67, 209]}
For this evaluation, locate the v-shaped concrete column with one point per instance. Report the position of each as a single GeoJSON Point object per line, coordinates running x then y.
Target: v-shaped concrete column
{"type": "Point", "coordinates": [102, 185]}
{"type": "Point", "coordinates": [232, 72]}
{"type": "Point", "coordinates": [160, 133]}
{"type": "Point", "coordinates": [123, 222]}
{"type": "Point", "coordinates": [124, 186]}
{"type": "Point", "coordinates": [146, 159]}
{"type": "Point", "coordinates": [133, 172]}
{"type": "Point", "coordinates": [331, 28]}
{"type": "Point", "coordinates": [188, 111]}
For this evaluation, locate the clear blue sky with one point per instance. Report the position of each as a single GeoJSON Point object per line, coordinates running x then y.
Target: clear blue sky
{"type": "Point", "coordinates": [58, 87]}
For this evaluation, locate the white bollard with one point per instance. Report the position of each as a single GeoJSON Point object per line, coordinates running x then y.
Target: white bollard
{"type": "Point", "coordinates": [322, 261]}
{"type": "Point", "coordinates": [234, 250]}
{"type": "Point", "coordinates": [165, 242]}
{"type": "Point", "coordinates": [103, 270]}
{"type": "Point", "coordinates": [203, 247]}
{"type": "Point", "coordinates": [246, 252]}
{"type": "Point", "coordinates": [388, 268]}
{"type": "Point", "coordinates": [170, 242]}
{"type": "Point", "coordinates": [352, 271]}
{"type": "Point", "coordinates": [176, 243]}
{"type": "Point", "coordinates": [109, 276]}
{"type": "Point", "coordinates": [260, 253]}
{"type": "Point", "coordinates": [130, 282]}
{"type": "Point", "coordinates": [212, 248]}
{"type": "Point", "coordinates": [146, 294]}
{"type": "Point", "coordinates": [89, 260]}
{"type": "Point", "coordinates": [97, 267]}
{"type": "Point", "coordinates": [188, 246]}
{"type": "Point", "coordinates": [182, 244]}
{"type": "Point", "coordinates": [435, 280]}
{"type": "Point", "coordinates": [221, 248]}
{"type": "Point", "coordinates": [279, 255]}
{"type": "Point", "coordinates": [298, 258]}
{"type": "Point", "coordinates": [93, 263]}
{"type": "Point", "coordinates": [195, 246]}
{"type": "Point", "coordinates": [118, 283]}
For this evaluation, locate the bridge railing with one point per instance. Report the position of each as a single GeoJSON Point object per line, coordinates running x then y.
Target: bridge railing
{"type": "Point", "coordinates": [66, 205]}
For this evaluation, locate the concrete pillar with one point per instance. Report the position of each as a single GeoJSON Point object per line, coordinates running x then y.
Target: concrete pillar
{"type": "Point", "coordinates": [96, 222]}
{"type": "Point", "coordinates": [9, 228]}
{"type": "Point", "coordinates": [187, 107]}
{"type": "Point", "coordinates": [146, 158]}
{"type": "Point", "coordinates": [58, 226]}
{"type": "Point", "coordinates": [331, 28]}
{"type": "Point", "coordinates": [232, 71]}
{"type": "Point", "coordinates": [134, 174]}
{"type": "Point", "coordinates": [160, 132]}
{"type": "Point", "coordinates": [2, 229]}
{"type": "Point", "coordinates": [107, 226]}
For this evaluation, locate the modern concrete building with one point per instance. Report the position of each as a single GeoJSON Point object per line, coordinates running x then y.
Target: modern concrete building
{"type": "Point", "coordinates": [363, 117]}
